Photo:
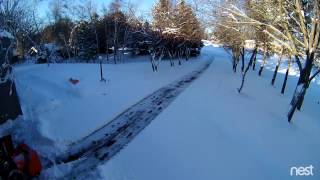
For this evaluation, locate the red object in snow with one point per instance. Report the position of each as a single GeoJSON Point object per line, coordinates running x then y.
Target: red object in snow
{"type": "Point", "coordinates": [27, 160]}
{"type": "Point", "coordinates": [74, 81]}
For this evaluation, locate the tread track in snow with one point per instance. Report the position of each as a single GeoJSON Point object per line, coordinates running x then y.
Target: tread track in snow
{"type": "Point", "coordinates": [98, 147]}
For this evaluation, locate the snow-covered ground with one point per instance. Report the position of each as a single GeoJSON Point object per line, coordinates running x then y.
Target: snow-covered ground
{"type": "Point", "coordinates": [68, 112]}
{"type": "Point", "coordinates": [209, 132]}
{"type": "Point", "coordinates": [212, 132]}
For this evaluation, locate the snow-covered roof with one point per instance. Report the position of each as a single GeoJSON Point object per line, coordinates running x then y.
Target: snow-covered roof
{"type": "Point", "coordinates": [5, 34]}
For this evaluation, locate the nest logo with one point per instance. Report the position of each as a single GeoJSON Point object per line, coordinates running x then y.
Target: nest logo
{"type": "Point", "coordinates": [302, 171]}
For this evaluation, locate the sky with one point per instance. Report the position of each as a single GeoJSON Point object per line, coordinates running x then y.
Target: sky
{"type": "Point", "coordinates": [143, 6]}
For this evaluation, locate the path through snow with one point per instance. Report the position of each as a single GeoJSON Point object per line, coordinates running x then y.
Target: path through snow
{"type": "Point", "coordinates": [101, 145]}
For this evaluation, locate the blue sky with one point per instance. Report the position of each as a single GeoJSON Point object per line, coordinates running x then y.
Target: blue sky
{"type": "Point", "coordinates": [143, 6]}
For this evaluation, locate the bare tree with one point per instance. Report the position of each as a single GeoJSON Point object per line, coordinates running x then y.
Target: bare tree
{"type": "Point", "coordinates": [16, 18]}
{"type": "Point", "coordinates": [296, 28]}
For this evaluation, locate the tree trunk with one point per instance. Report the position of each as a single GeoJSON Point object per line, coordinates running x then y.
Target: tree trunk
{"type": "Point", "coordinates": [152, 61]}
{"type": "Point", "coordinates": [97, 37]}
{"type": "Point", "coordinates": [179, 57]}
{"type": "Point", "coordinates": [263, 61]}
{"type": "Point", "coordinates": [66, 46]}
{"type": "Point", "coordinates": [242, 59]}
{"type": "Point", "coordinates": [286, 77]}
{"type": "Point", "coordinates": [260, 70]}
{"type": "Point", "coordinates": [276, 69]}
{"type": "Point", "coordinates": [306, 80]}
{"type": "Point", "coordinates": [302, 86]}
{"type": "Point", "coordinates": [254, 62]}
{"type": "Point", "coordinates": [234, 63]}
{"type": "Point", "coordinates": [245, 72]}
{"type": "Point", "coordinates": [107, 51]}
{"type": "Point", "coordinates": [106, 35]}
{"type": "Point", "coordinates": [171, 58]}
{"type": "Point", "coordinates": [115, 42]}
{"type": "Point", "coordinates": [253, 55]}
{"type": "Point", "coordinates": [236, 53]}
{"type": "Point", "coordinates": [187, 53]}
{"type": "Point", "coordinates": [101, 72]}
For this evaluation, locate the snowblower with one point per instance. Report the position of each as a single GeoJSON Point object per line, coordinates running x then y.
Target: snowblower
{"type": "Point", "coordinates": [18, 163]}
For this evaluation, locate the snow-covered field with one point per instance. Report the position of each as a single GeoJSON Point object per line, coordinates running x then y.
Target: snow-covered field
{"type": "Point", "coordinates": [209, 132]}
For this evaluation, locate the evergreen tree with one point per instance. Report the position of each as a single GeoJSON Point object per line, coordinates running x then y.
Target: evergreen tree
{"type": "Point", "coordinates": [83, 40]}
{"type": "Point", "coordinates": [162, 13]}
{"type": "Point", "coordinates": [187, 23]}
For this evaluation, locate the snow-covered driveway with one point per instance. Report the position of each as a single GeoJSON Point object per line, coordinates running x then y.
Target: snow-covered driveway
{"type": "Point", "coordinates": [101, 145]}
{"type": "Point", "coordinates": [212, 132]}
{"type": "Point", "coordinates": [58, 106]}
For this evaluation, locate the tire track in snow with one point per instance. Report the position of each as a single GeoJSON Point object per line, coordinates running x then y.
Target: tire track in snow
{"type": "Point", "coordinates": [101, 145]}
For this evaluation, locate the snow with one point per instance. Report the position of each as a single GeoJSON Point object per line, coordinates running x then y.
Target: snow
{"type": "Point", "coordinates": [52, 46]}
{"type": "Point", "coordinates": [47, 95]}
{"type": "Point", "coordinates": [250, 44]}
{"type": "Point", "coordinates": [103, 144]}
{"type": "Point", "coordinates": [170, 31]}
{"type": "Point", "coordinates": [5, 34]}
{"type": "Point", "coordinates": [209, 132]}
{"type": "Point", "coordinates": [210, 43]}
{"type": "Point", "coordinates": [212, 132]}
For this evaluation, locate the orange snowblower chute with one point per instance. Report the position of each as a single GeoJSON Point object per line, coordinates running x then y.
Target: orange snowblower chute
{"type": "Point", "coordinates": [27, 160]}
